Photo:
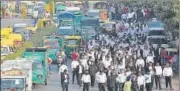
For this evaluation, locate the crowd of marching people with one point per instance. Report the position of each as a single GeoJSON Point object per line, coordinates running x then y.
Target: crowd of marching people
{"type": "Point", "coordinates": [121, 60]}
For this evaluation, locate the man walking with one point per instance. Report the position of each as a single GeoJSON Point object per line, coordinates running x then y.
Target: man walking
{"type": "Point", "coordinates": [92, 70]}
{"type": "Point", "coordinates": [158, 74]}
{"type": "Point", "coordinates": [121, 79]}
{"type": "Point", "coordinates": [168, 73]}
{"type": "Point", "coordinates": [101, 80]}
{"type": "Point", "coordinates": [86, 79]}
{"type": "Point", "coordinates": [74, 65]}
{"type": "Point", "coordinates": [65, 80]}
{"type": "Point", "coordinates": [111, 81]}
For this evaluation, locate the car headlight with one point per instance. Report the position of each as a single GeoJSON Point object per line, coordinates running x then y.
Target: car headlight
{"type": "Point", "coordinates": [39, 76]}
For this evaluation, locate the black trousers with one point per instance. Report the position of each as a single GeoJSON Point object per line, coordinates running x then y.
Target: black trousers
{"type": "Point", "coordinates": [65, 86]}
{"type": "Point", "coordinates": [148, 87]}
{"type": "Point", "coordinates": [75, 73]}
{"type": "Point", "coordinates": [79, 79]}
{"type": "Point", "coordinates": [85, 86]}
{"type": "Point", "coordinates": [92, 80]}
{"type": "Point", "coordinates": [141, 88]}
{"type": "Point", "coordinates": [158, 81]}
{"type": "Point", "coordinates": [168, 81]}
{"type": "Point", "coordinates": [101, 86]}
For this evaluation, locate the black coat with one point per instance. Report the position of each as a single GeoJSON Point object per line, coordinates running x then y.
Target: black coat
{"type": "Point", "coordinates": [93, 70]}
{"type": "Point", "coordinates": [63, 77]}
{"type": "Point", "coordinates": [111, 80]}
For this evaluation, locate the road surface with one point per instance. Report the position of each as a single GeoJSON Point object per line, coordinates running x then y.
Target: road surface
{"type": "Point", "coordinates": [54, 83]}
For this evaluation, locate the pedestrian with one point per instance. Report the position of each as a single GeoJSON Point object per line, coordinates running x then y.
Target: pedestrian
{"type": "Point", "coordinates": [158, 74]}
{"type": "Point", "coordinates": [121, 79]}
{"type": "Point", "coordinates": [93, 70]}
{"type": "Point", "coordinates": [74, 66]}
{"type": "Point", "coordinates": [168, 73]}
{"type": "Point", "coordinates": [163, 55]}
{"type": "Point", "coordinates": [148, 81]}
{"type": "Point", "coordinates": [62, 68]}
{"type": "Point", "coordinates": [80, 70]}
{"type": "Point", "coordinates": [134, 85]}
{"type": "Point", "coordinates": [141, 82]}
{"type": "Point", "coordinates": [101, 80]}
{"type": "Point", "coordinates": [140, 61]}
{"type": "Point", "coordinates": [65, 80]}
{"type": "Point", "coordinates": [49, 65]}
{"type": "Point", "coordinates": [128, 84]}
{"type": "Point", "coordinates": [86, 80]}
{"type": "Point", "coordinates": [111, 81]}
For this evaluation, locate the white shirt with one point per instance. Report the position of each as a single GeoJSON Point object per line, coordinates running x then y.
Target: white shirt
{"type": "Point", "coordinates": [80, 69]}
{"type": "Point", "coordinates": [121, 67]}
{"type": "Point", "coordinates": [145, 53]}
{"type": "Point", "coordinates": [128, 73]}
{"type": "Point", "coordinates": [84, 62]}
{"type": "Point", "coordinates": [121, 78]}
{"type": "Point", "coordinates": [86, 78]}
{"type": "Point", "coordinates": [150, 59]}
{"type": "Point", "coordinates": [101, 78]}
{"type": "Point", "coordinates": [74, 64]}
{"type": "Point", "coordinates": [140, 80]}
{"type": "Point", "coordinates": [123, 16]}
{"type": "Point", "coordinates": [158, 70]}
{"type": "Point", "coordinates": [140, 62]}
{"type": "Point", "coordinates": [62, 68]}
{"type": "Point", "coordinates": [167, 71]}
{"type": "Point", "coordinates": [130, 15]}
{"type": "Point", "coordinates": [148, 78]}
{"type": "Point", "coordinates": [107, 63]}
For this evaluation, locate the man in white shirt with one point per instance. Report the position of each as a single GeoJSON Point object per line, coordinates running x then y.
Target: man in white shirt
{"type": "Point", "coordinates": [168, 73]}
{"type": "Point", "coordinates": [149, 58]}
{"type": "Point", "coordinates": [74, 65]}
{"type": "Point", "coordinates": [141, 82]}
{"type": "Point", "coordinates": [158, 74]}
{"type": "Point", "coordinates": [101, 80]}
{"type": "Point", "coordinates": [121, 79]}
{"type": "Point", "coordinates": [140, 61]}
{"type": "Point", "coordinates": [86, 79]}
{"type": "Point", "coordinates": [148, 81]}
{"type": "Point", "coordinates": [62, 68]}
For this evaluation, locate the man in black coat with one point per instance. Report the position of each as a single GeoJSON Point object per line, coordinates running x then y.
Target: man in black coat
{"type": "Point", "coordinates": [65, 80]}
{"type": "Point", "coordinates": [92, 70]}
{"type": "Point", "coordinates": [111, 81]}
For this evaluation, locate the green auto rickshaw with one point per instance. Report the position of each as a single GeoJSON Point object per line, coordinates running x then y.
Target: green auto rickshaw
{"type": "Point", "coordinates": [40, 64]}
{"type": "Point", "coordinates": [53, 45]}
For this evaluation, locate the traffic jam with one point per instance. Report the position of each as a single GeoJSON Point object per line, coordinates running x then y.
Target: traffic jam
{"type": "Point", "coordinates": [87, 46]}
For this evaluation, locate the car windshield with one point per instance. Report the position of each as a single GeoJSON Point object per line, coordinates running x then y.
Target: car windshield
{"type": "Point", "coordinates": [109, 25]}
{"type": "Point", "coordinates": [154, 32]}
{"type": "Point", "coordinates": [65, 32]}
{"type": "Point", "coordinates": [18, 29]}
{"type": "Point", "coordinates": [36, 9]}
{"type": "Point", "coordinates": [30, 6]}
{"type": "Point", "coordinates": [51, 43]}
{"type": "Point", "coordinates": [158, 41]}
{"type": "Point", "coordinates": [66, 23]}
{"type": "Point", "coordinates": [72, 42]}
{"type": "Point", "coordinates": [93, 14]}
{"type": "Point", "coordinates": [7, 84]}
{"type": "Point", "coordinates": [36, 65]}
{"type": "Point", "coordinates": [4, 50]}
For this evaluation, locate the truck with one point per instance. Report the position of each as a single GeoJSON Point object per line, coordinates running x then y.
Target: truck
{"type": "Point", "coordinates": [16, 75]}
{"type": "Point", "coordinates": [40, 65]}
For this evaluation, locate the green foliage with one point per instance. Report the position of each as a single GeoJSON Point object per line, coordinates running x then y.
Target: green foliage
{"type": "Point", "coordinates": [19, 51]}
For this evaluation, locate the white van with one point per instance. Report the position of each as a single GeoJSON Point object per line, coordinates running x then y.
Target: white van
{"type": "Point", "coordinates": [30, 7]}
{"type": "Point", "coordinates": [36, 11]}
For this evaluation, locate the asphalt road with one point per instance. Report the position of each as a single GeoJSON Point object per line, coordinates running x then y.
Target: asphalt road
{"type": "Point", "coordinates": [54, 83]}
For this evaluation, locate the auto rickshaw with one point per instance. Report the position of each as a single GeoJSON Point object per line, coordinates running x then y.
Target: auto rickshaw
{"type": "Point", "coordinates": [72, 43]}
{"type": "Point", "coordinates": [40, 65]}
{"type": "Point", "coordinates": [53, 45]}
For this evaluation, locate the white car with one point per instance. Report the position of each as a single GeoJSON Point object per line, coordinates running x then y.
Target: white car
{"type": "Point", "coordinates": [30, 8]}
{"type": "Point", "coordinates": [36, 11]}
